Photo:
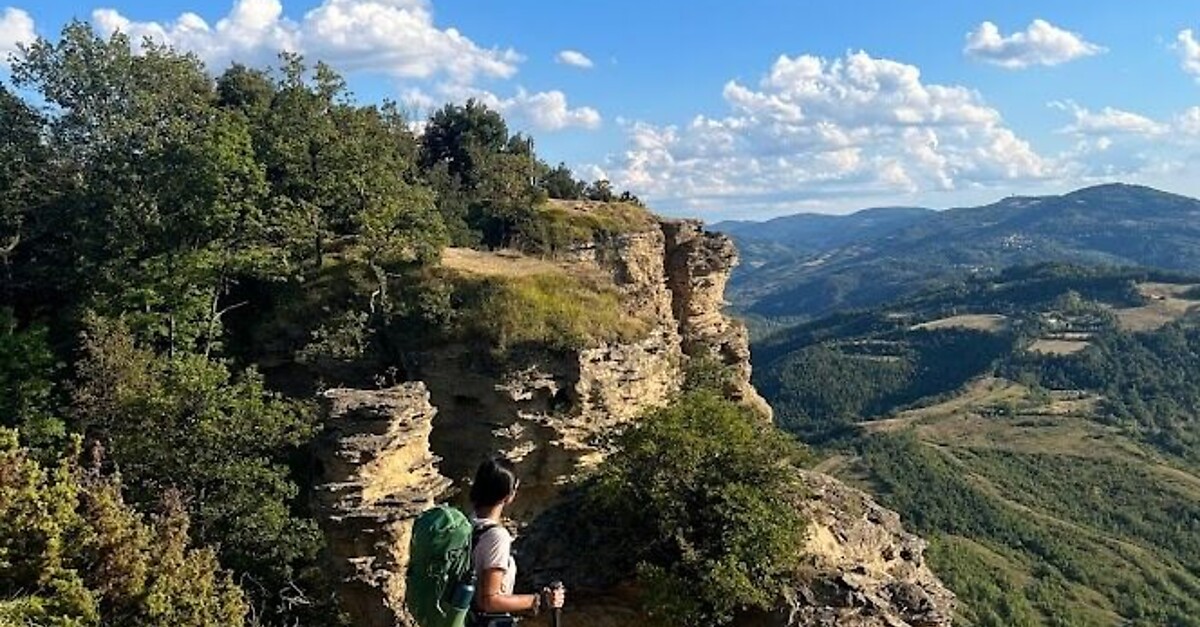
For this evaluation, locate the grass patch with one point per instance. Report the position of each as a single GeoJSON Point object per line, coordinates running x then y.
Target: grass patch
{"type": "Point", "coordinates": [558, 310]}
{"type": "Point", "coordinates": [560, 224]}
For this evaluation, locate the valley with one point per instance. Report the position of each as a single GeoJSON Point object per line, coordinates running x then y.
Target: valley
{"type": "Point", "coordinates": [1007, 419]}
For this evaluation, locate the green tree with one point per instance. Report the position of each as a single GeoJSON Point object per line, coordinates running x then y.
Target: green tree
{"type": "Point", "coordinates": [483, 176]}
{"type": "Point", "coordinates": [184, 423]}
{"type": "Point", "coordinates": [246, 89]}
{"type": "Point", "coordinates": [24, 186]}
{"type": "Point", "coordinates": [559, 182]}
{"type": "Point", "coordinates": [463, 137]}
{"type": "Point", "coordinates": [702, 498]}
{"type": "Point", "coordinates": [74, 554]}
{"type": "Point", "coordinates": [28, 370]}
{"type": "Point", "coordinates": [171, 192]}
{"type": "Point", "coordinates": [600, 190]}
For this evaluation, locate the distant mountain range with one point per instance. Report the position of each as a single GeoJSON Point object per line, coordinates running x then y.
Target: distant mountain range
{"type": "Point", "coordinates": [806, 265]}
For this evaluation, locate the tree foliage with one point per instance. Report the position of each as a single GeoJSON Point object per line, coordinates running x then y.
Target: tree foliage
{"type": "Point", "coordinates": [73, 553]}
{"type": "Point", "coordinates": [182, 255]}
{"type": "Point", "coordinates": [184, 424]}
{"type": "Point", "coordinates": [700, 498]}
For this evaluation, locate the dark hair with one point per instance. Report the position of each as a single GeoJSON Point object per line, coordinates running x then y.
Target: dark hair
{"type": "Point", "coordinates": [494, 481]}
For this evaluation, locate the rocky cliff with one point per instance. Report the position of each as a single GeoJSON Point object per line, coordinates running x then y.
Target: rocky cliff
{"type": "Point", "coordinates": [388, 454]}
{"type": "Point", "coordinates": [546, 407]}
{"type": "Point", "coordinates": [378, 475]}
{"type": "Point", "coordinates": [866, 570]}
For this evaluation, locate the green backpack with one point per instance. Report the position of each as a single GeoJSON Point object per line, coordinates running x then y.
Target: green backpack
{"type": "Point", "coordinates": [439, 557]}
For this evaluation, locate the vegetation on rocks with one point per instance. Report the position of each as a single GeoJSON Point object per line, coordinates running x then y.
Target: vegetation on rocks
{"type": "Point", "coordinates": [556, 310]}
{"type": "Point", "coordinates": [701, 498]}
{"type": "Point", "coordinates": [184, 255]}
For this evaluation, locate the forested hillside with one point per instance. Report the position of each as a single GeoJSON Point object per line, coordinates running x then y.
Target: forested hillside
{"type": "Point", "coordinates": [186, 259]}
{"type": "Point", "coordinates": [1038, 426]}
{"type": "Point", "coordinates": [1121, 225]}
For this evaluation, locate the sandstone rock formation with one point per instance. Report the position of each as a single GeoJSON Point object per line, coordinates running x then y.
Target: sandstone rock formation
{"type": "Point", "coordinates": [867, 570]}
{"type": "Point", "coordinates": [377, 475]}
{"type": "Point", "coordinates": [698, 265]}
{"type": "Point", "coordinates": [389, 454]}
{"type": "Point", "coordinates": [545, 408]}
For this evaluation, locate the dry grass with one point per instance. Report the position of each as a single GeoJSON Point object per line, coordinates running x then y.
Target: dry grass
{"type": "Point", "coordinates": [1057, 423]}
{"type": "Point", "coordinates": [1165, 306]}
{"type": "Point", "coordinates": [510, 299]}
{"type": "Point", "coordinates": [977, 322]}
{"type": "Point", "coordinates": [1058, 347]}
{"type": "Point", "coordinates": [978, 393]}
{"type": "Point", "coordinates": [609, 216]}
{"type": "Point", "coordinates": [505, 263]}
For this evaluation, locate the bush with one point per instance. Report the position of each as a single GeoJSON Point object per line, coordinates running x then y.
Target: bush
{"type": "Point", "coordinates": [186, 423]}
{"type": "Point", "coordinates": [73, 553]}
{"type": "Point", "coordinates": [700, 502]}
{"type": "Point", "coordinates": [550, 228]}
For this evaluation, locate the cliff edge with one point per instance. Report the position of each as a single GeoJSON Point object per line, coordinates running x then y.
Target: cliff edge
{"type": "Point", "coordinates": [388, 454]}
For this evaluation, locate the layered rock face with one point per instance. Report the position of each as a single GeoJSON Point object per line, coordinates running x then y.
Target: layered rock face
{"type": "Point", "coordinates": [544, 408]}
{"type": "Point", "coordinates": [698, 265]}
{"type": "Point", "coordinates": [377, 474]}
{"type": "Point", "coordinates": [867, 570]}
{"type": "Point", "coordinates": [389, 454]}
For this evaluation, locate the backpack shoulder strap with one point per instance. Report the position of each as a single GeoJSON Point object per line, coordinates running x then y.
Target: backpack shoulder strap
{"type": "Point", "coordinates": [480, 529]}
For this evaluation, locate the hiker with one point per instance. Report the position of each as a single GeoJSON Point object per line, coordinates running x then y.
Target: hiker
{"type": "Point", "coordinates": [494, 487]}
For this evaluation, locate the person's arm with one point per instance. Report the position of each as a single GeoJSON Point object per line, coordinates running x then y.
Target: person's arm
{"type": "Point", "coordinates": [492, 602]}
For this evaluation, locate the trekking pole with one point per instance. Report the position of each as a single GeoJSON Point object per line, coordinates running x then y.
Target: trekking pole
{"type": "Point", "coordinates": [556, 615]}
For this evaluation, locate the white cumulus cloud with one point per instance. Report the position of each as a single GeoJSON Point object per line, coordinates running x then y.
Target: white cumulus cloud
{"type": "Point", "coordinates": [574, 58]}
{"type": "Point", "coordinates": [1041, 43]}
{"type": "Point", "coordinates": [816, 127]}
{"type": "Point", "coordinates": [1188, 122]}
{"type": "Point", "coordinates": [548, 111]}
{"type": "Point", "coordinates": [540, 111]}
{"type": "Point", "coordinates": [395, 37]}
{"type": "Point", "coordinates": [1189, 52]}
{"type": "Point", "coordinates": [16, 27]}
{"type": "Point", "coordinates": [1108, 121]}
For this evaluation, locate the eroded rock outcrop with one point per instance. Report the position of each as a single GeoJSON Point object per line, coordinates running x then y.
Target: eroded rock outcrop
{"type": "Point", "coordinates": [388, 454]}
{"type": "Point", "coordinates": [546, 407]}
{"type": "Point", "coordinates": [377, 474]}
{"type": "Point", "coordinates": [698, 265]}
{"type": "Point", "coordinates": [867, 571]}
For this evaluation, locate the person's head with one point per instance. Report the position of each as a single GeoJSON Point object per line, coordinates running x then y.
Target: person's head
{"type": "Point", "coordinates": [495, 482]}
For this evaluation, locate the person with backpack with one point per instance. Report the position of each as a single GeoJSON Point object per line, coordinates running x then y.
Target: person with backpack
{"type": "Point", "coordinates": [495, 487]}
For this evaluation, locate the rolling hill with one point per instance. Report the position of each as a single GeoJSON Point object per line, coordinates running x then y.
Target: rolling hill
{"type": "Point", "coordinates": [802, 267]}
{"type": "Point", "coordinates": [1038, 426]}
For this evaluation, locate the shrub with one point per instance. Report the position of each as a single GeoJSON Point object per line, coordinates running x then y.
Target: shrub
{"type": "Point", "coordinates": [221, 440]}
{"type": "Point", "coordinates": [700, 501]}
{"type": "Point", "coordinates": [73, 553]}
{"type": "Point", "coordinates": [552, 227]}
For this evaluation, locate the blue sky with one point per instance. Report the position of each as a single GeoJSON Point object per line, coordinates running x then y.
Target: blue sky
{"type": "Point", "coordinates": [754, 108]}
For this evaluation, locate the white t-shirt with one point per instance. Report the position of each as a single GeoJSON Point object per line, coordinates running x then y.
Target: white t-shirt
{"type": "Point", "coordinates": [494, 550]}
